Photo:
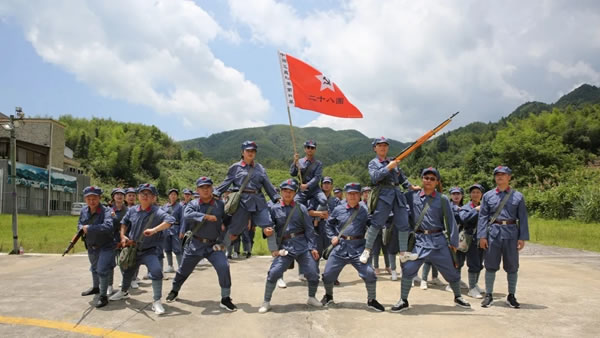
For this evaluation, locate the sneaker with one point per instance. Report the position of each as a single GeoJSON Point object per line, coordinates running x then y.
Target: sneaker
{"type": "Point", "coordinates": [301, 277]}
{"type": "Point", "coordinates": [281, 283]}
{"type": "Point", "coordinates": [169, 269]}
{"type": "Point", "coordinates": [460, 302]}
{"type": "Point", "coordinates": [91, 291]}
{"type": "Point", "coordinates": [227, 304]}
{"type": "Point", "coordinates": [480, 290]}
{"type": "Point", "coordinates": [158, 308]}
{"type": "Point", "coordinates": [464, 285]}
{"type": "Point", "coordinates": [134, 285]}
{"type": "Point", "coordinates": [101, 302]}
{"type": "Point", "coordinates": [265, 307]}
{"type": "Point", "coordinates": [364, 257]}
{"type": "Point", "coordinates": [423, 285]}
{"type": "Point", "coordinates": [374, 304]}
{"type": "Point", "coordinates": [487, 300]}
{"type": "Point", "coordinates": [109, 290]}
{"type": "Point", "coordinates": [326, 300]}
{"type": "Point", "coordinates": [235, 255]}
{"type": "Point", "coordinates": [512, 301]}
{"type": "Point", "coordinates": [400, 306]}
{"type": "Point", "coordinates": [119, 295]}
{"type": "Point", "coordinates": [417, 279]}
{"type": "Point", "coordinates": [408, 256]}
{"type": "Point", "coordinates": [205, 261]}
{"type": "Point", "coordinates": [146, 277]}
{"type": "Point", "coordinates": [312, 301]}
{"type": "Point", "coordinates": [248, 254]}
{"type": "Point", "coordinates": [436, 281]}
{"type": "Point", "coordinates": [229, 257]}
{"type": "Point", "coordinates": [394, 275]}
{"type": "Point", "coordinates": [172, 296]}
{"type": "Point", "coordinates": [473, 293]}
{"type": "Point", "coordinates": [449, 288]}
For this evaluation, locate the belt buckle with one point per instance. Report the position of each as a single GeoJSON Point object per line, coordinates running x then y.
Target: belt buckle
{"type": "Point", "coordinates": [426, 232]}
{"type": "Point", "coordinates": [504, 222]}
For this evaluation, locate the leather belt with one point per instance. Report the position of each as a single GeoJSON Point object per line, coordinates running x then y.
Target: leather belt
{"type": "Point", "coordinates": [350, 238]}
{"type": "Point", "coordinates": [429, 232]}
{"type": "Point", "coordinates": [249, 191]}
{"type": "Point", "coordinates": [292, 235]}
{"type": "Point", "coordinates": [205, 240]}
{"type": "Point", "coordinates": [506, 222]}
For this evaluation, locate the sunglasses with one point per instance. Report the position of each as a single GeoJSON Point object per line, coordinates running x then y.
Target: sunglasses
{"type": "Point", "coordinates": [429, 178]}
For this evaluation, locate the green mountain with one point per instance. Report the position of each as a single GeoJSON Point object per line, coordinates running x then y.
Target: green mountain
{"type": "Point", "coordinates": [275, 144]}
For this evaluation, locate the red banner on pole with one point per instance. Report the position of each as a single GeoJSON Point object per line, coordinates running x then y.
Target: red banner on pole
{"type": "Point", "coordinates": [307, 88]}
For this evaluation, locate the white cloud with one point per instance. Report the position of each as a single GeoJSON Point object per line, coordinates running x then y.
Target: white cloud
{"type": "Point", "coordinates": [153, 53]}
{"type": "Point", "coordinates": [577, 70]}
{"type": "Point", "coordinates": [409, 64]}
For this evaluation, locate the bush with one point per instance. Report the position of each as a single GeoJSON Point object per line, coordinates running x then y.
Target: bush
{"type": "Point", "coordinates": [587, 207]}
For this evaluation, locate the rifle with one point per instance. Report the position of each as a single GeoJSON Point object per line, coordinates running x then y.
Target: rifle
{"type": "Point", "coordinates": [408, 150]}
{"type": "Point", "coordinates": [73, 241]}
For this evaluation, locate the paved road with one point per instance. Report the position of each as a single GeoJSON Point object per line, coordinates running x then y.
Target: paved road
{"type": "Point", "coordinates": [558, 289]}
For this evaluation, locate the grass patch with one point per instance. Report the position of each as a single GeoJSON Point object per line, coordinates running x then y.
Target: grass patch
{"type": "Point", "coordinates": [42, 234]}
{"type": "Point", "coordinates": [52, 234]}
{"type": "Point", "coordinates": [565, 233]}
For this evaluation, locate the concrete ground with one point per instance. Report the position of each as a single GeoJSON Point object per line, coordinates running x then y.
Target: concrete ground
{"type": "Point", "coordinates": [559, 290]}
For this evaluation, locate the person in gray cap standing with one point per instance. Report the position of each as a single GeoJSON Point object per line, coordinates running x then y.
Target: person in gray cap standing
{"type": "Point", "coordinates": [311, 171]}
{"type": "Point", "coordinates": [97, 224]}
{"type": "Point", "coordinates": [502, 231]}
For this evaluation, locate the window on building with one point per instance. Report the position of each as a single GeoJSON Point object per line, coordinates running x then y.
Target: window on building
{"type": "Point", "coordinates": [4, 148]}
{"type": "Point", "coordinates": [37, 199]}
{"type": "Point", "coordinates": [66, 201]}
{"type": "Point", "coordinates": [54, 200]}
{"type": "Point", "coordinates": [22, 197]}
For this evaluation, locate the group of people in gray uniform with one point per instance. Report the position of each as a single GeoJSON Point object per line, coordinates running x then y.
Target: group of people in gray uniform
{"type": "Point", "coordinates": [306, 220]}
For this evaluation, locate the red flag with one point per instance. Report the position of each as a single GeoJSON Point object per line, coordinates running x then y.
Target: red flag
{"type": "Point", "coordinates": [307, 88]}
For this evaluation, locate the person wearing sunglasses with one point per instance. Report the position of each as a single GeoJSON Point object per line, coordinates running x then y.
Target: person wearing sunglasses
{"type": "Point", "coordinates": [436, 234]}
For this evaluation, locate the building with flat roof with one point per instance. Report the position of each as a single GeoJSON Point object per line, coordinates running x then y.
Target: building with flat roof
{"type": "Point", "coordinates": [48, 178]}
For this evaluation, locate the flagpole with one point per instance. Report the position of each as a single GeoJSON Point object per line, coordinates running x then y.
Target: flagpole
{"type": "Point", "coordinates": [289, 117]}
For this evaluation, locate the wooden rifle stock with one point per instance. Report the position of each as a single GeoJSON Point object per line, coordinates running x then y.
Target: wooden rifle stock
{"type": "Point", "coordinates": [408, 150]}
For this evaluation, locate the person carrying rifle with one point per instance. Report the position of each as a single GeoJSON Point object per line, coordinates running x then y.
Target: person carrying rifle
{"type": "Point", "coordinates": [469, 214]}
{"type": "Point", "coordinates": [97, 224]}
{"type": "Point", "coordinates": [141, 227]}
{"type": "Point", "coordinates": [387, 176]}
{"type": "Point", "coordinates": [435, 238]}
{"type": "Point", "coordinates": [346, 227]}
{"type": "Point", "coordinates": [502, 230]}
{"type": "Point", "coordinates": [294, 239]}
{"type": "Point", "coordinates": [203, 219]}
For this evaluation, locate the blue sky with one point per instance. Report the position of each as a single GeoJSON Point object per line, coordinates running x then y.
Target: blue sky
{"type": "Point", "coordinates": [196, 68]}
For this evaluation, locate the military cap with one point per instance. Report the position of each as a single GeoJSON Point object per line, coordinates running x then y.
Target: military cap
{"type": "Point", "coordinates": [92, 190]}
{"type": "Point", "coordinates": [380, 140]}
{"type": "Point", "coordinates": [367, 188]}
{"type": "Point", "coordinates": [352, 187]}
{"type": "Point", "coordinates": [457, 189]}
{"type": "Point", "coordinates": [430, 170]}
{"type": "Point", "coordinates": [117, 191]}
{"type": "Point", "coordinates": [249, 145]}
{"type": "Point", "coordinates": [337, 189]}
{"type": "Point", "coordinates": [173, 189]}
{"type": "Point", "coordinates": [203, 181]}
{"type": "Point", "coordinates": [327, 179]}
{"type": "Point", "coordinates": [148, 187]}
{"type": "Point", "coordinates": [130, 190]}
{"type": "Point", "coordinates": [196, 195]}
{"type": "Point", "coordinates": [477, 186]}
{"type": "Point", "coordinates": [502, 169]}
{"type": "Point", "coordinates": [187, 191]}
{"type": "Point", "coordinates": [290, 184]}
{"type": "Point", "coordinates": [310, 143]}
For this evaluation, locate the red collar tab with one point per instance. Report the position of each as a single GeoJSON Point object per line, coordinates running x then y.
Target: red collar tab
{"type": "Point", "coordinates": [291, 204]}
{"type": "Point", "coordinates": [212, 201]}
{"type": "Point", "coordinates": [244, 164]}
{"type": "Point", "coordinates": [139, 208]}
{"type": "Point", "coordinates": [422, 193]}
{"type": "Point", "coordinates": [349, 207]}
{"type": "Point", "coordinates": [498, 190]}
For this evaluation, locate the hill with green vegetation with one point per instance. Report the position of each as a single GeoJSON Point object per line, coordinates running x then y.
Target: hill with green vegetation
{"type": "Point", "coordinates": [550, 148]}
{"type": "Point", "coordinates": [275, 148]}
